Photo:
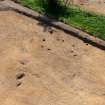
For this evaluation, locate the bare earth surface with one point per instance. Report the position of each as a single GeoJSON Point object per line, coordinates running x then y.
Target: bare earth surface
{"type": "Point", "coordinates": [40, 68]}
{"type": "Point", "coordinates": [92, 5]}
{"type": "Point", "coordinates": [96, 7]}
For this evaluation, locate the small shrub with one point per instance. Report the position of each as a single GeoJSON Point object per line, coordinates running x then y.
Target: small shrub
{"type": "Point", "coordinates": [53, 7]}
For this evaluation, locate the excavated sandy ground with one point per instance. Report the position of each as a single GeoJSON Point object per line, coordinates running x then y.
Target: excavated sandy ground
{"type": "Point", "coordinates": [96, 7]}
{"type": "Point", "coordinates": [40, 68]}
{"type": "Point", "coordinates": [92, 5]}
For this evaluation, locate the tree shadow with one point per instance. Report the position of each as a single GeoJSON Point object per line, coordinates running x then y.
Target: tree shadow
{"type": "Point", "coordinates": [53, 10]}
{"type": "Point", "coordinates": [47, 22]}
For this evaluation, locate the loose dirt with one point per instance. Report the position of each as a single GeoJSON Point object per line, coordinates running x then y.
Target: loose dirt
{"type": "Point", "coordinates": [41, 65]}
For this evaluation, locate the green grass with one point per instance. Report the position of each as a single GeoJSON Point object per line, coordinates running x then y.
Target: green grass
{"type": "Point", "coordinates": [33, 4]}
{"type": "Point", "coordinates": [90, 22]}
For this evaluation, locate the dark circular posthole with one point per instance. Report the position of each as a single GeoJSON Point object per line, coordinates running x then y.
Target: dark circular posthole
{"type": "Point", "coordinates": [42, 46]}
{"type": "Point", "coordinates": [87, 44]}
{"type": "Point", "coordinates": [51, 31]}
{"type": "Point", "coordinates": [63, 40]}
{"type": "Point", "coordinates": [44, 40]}
{"type": "Point", "coordinates": [49, 49]}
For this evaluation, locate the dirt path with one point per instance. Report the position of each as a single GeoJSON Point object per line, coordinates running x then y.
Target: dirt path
{"type": "Point", "coordinates": [41, 66]}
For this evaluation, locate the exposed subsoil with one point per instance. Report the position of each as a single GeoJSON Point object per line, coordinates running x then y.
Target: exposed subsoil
{"type": "Point", "coordinates": [40, 65]}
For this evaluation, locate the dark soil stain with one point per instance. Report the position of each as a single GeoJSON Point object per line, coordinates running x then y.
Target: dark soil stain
{"type": "Point", "coordinates": [20, 76]}
{"type": "Point", "coordinates": [73, 45]}
{"type": "Point", "coordinates": [48, 49]}
{"type": "Point", "coordinates": [75, 55]}
{"type": "Point", "coordinates": [23, 62]}
{"type": "Point", "coordinates": [42, 46]}
{"type": "Point", "coordinates": [72, 51]}
{"type": "Point", "coordinates": [58, 39]}
{"type": "Point", "coordinates": [87, 44]}
{"type": "Point", "coordinates": [63, 40]}
{"type": "Point", "coordinates": [18, 84]}
{"type": "Point", "coordinates": [43, 39]}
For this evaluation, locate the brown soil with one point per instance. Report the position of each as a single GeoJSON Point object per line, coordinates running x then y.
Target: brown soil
{"type": "Point", "coordinates": [41, 65]}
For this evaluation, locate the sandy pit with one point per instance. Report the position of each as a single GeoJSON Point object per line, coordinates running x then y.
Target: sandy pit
{"type": "Point", "coordinates": [41, 65]}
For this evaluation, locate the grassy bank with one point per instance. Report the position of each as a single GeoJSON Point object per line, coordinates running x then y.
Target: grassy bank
{"type": "Point", "coordinates": [87, 21]}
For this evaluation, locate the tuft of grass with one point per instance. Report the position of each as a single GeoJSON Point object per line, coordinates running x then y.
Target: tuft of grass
{"type": "Point", "coordinates": [33, 4]}
{"type": "Point", "coordinates": [87, 21]}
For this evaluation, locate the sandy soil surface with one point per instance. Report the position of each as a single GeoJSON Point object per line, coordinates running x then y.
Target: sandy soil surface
{"type": "Point", "coordinates": [96, 7]}
{"type": "Point", "coordinates": [92, 5]}
{"type": "Point", "coordinates": [39, 66]}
